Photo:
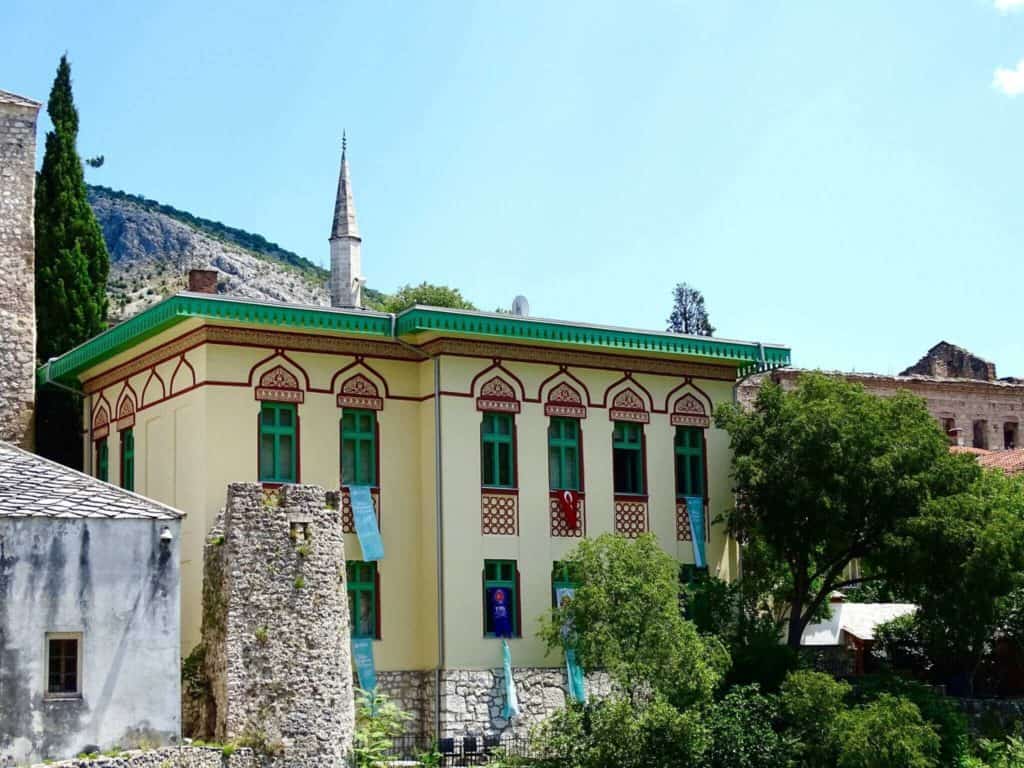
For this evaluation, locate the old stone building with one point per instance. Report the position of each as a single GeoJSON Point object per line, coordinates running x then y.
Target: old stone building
{"type": "Point", "coordinates": [17, 266]}
{"type": "Point", "coordinates": [973, 407]}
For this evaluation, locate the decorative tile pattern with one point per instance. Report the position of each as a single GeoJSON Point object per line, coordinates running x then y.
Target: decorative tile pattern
{"type": "Point", "coordinates": [360, 392]}
{"type": "Point", "coordinates": [683, 532]}
{"type": "Point", "coordinates": [630, 517]}
{"type": "Point", "coordinates": [498, 395]}
{"type": "Point", "coordinates": [100, 423]}
{"type": "Point", "coordinates": [689, 412]}
{"type": "Point", "coordinates": [564, 400]}
{"type": "Point", "coordinates": [280, 385]}
{"type": "Point", "coordinates": [629, 406]}
{"type": "Point", "coordinates": [348, 521]}
{"type": "Point", "coordinates": [499, 513]}
{"type": "Point", "coordinates": [558, 525]}
{"type": "Point", "coordinates": [126, 414]}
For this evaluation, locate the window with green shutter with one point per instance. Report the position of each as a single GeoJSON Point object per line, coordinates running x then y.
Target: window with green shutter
{"type": "Point", "coordinates": [358, 447]}
{"type": "Point", "coordinates": [102, 460]}
{"type": "Point", "coordinates": [498, 462]}
{"type": "Point", "coordinates": [362, 598]}
{"type": "Point", "coordinates": [277, 442]}
{"type": "Point", "coordinates": [128, 459]}
{"type": "Point", "coordinates": [504, 575]}
{"type": "Point", "coordinates": [689, 444]}
{"type": "Point", "coordinates": [628, 458]}
{"type": "Point", "coordinates": [564, 454]}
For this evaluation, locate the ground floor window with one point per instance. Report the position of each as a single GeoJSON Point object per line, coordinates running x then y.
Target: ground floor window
{"type": "Point", "coordinates": [501, 598]}
{"type": "Point", "coordinates": [63, 664]}
{"type": "Point", "coordinates": [363, 597]}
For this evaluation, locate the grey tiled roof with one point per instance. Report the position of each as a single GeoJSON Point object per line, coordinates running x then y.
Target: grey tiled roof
{"type": "Point", "coordinates": [12, 98]}
{"type": "Point", "coordinates": [31, 486]}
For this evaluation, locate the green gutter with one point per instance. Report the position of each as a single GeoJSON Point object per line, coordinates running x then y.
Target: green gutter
{"type": "Point", "coordinates": [746, 357]}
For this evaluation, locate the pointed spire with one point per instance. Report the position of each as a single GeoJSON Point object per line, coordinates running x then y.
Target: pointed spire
{"type": "Point", "coordinates": [344, 204]}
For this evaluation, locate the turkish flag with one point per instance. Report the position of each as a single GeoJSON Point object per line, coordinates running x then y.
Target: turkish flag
{"type": "Point", "coordinates": [567, 501]}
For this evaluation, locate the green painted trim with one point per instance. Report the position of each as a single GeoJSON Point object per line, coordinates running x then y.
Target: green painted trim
{"type": "Point", "coordinates": [182, 306]}
{"type": "Point", "coordinates": [434, 320]}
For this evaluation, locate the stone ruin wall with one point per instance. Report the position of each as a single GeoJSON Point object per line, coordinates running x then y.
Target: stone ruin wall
{"type": "Point", "coordinates": [17, 266]}
{"type": "Point", "coordinates": [168, 757]}
{"type": "Point", "coordinates": [275, 627]}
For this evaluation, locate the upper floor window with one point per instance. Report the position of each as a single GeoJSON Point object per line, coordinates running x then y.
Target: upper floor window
{"type": "Point", "coordinates": [564, 454]}
{"type": "Point", "coordinates": [128, 459]}
{"type": "Point", "coordinates": [278, 423]}
{"type": "Point", "coordinates": [628, 458]}
{"type": "Point", "coordinates": [363, 598]}
{"type": "Point", "coordinates": [358, 447]}
{"type": "Point", "coordinates": [497, 450]}
{"type": "Point", "coordinates": [689, 447]}
{"type": "Point", "coordinates": [102, 460]}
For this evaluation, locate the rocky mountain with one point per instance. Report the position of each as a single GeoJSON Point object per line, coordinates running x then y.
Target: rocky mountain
{"type": "Point", "coordinates": [152, 246]}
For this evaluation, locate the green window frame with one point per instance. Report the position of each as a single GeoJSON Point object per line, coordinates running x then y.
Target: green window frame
{"type": "Point", "coordinates": [501, 574]}
{"type": "Point", "coordinates": [128, 459]}
{"type": "Point", "coordinates": [564, 454]}
{"type": "Point", "coordinates": [278, 445]}
{"type": "Point", "coordinates": [497, 450]}
{"type": "Point", "coordinates": [689, 449]}
{"type": "Point", "coordinates": [358, 447]}
{"type": "Point", "coordinates": [628, 458]}
{"type": "Point", "coordinates": [363, 599]}
{"type": "Point", "coordinates": [561, 576]}
{"type": "Point", "coordinates": [102, 460]}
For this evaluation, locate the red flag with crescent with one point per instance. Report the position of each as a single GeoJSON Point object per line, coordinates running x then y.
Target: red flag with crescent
{"type": "Point", "coordinates": [567, 502]}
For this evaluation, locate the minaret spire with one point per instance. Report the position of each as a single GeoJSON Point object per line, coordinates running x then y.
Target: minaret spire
{"type": "Point", "coordinates": [346, 281]}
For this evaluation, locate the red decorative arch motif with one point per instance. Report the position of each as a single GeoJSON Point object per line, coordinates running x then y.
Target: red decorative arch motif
{"type": "Point", "coordinates": [629, 406]}
{"type": "Point", "coordinates": [360, 392]}
{"type": "Point", "coordinates": [125, 413]}
{"type": "Point", "coordinates": [100, 423]}
{"type": "Point", "coordinates": [281, 385]}
{"type": "Point", "coordinates": [496, 394]}
{"type": "Point", "coordinates": [564, 400]}
{"type": "Point", "coordinates": [689, 412]}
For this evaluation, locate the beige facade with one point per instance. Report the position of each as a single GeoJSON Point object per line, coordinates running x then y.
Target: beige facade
{"type": "Point", "coordinates": [191, 396]}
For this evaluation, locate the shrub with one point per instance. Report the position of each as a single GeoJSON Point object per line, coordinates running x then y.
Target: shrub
{"type": "Point", "coordinates": [379, 721]}
{"type": "Point", "coordinates": [887, 733]}
{"type": "Point", "coordinates": [742, 733]}
{"type": "Point", "coordinates": [809, 703]}
{"type": "Point", "coordinates": [900, 645]}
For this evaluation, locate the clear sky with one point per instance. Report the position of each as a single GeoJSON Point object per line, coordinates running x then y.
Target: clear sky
{"type": "Point", "coordinates": [840, 177]}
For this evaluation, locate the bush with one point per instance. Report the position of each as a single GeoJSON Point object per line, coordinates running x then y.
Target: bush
{"type": "Point", "coordinates": [887, 733]}
{"type": "Point", "coordinates": [742, 732]}
{"type": "Point", "coordinates": [379, 721]}
{"type": "Point", "coordinates": [809, 704]}
{"type": "Point", "coordinates": [900, 646]}
{"type": "Point", "coordinates": [1008, 753]}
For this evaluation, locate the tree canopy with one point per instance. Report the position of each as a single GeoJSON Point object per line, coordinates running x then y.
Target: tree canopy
{"type": "Point", "coordinates": [824, 475]}
{"type": "Point", "coordinates": [689, 314]}
{"type": "Point", "coordinates": [424, 293]}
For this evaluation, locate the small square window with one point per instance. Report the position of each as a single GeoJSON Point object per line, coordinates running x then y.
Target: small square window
{"type": "Point", "coordinates": [63, 665]}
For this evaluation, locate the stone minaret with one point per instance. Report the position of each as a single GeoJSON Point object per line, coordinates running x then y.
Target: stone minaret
{"type": "Point", "coordinates": [346, 281]}
{"type": "Point", "coordinates": [17, 266]}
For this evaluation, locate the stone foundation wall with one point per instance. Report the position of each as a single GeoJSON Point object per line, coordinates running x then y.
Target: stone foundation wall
{"type": "Point", "coordinates": [171, 757]}
{"type": "Point", "coordinates": [275, 626]}
{"type": "Point", "coordinates": [17, 267]}
{"type": "Point", "coordinates": [1009, 713]}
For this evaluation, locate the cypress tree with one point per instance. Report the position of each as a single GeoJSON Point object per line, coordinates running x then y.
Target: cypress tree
{"type": "Point", "coordinates": [71, 270]}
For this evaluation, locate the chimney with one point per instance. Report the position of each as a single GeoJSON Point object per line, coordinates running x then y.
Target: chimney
{"type": "Point", "coordinates": [202, 280]}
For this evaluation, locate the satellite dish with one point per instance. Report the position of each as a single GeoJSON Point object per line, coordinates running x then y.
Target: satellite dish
{"type": "Point", "coordinates": [520, 306]}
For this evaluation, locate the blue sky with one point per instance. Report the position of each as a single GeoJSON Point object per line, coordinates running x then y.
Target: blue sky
{"type": "Point", "coordinates": [841, 177]}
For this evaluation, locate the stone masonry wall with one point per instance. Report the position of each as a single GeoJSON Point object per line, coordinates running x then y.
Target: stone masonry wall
{"type": "Point", "coordinates": [275, 626]}
{"type": "Point", "coordinates": [170, 757]}
{"type": "Point", "coordinates": [17, 267]}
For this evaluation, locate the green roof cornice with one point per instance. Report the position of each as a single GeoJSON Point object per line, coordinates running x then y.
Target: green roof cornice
{"type": "Point", "coordinates": [183, 306]}
{"type": "Point", "coordinates": [742, 354]}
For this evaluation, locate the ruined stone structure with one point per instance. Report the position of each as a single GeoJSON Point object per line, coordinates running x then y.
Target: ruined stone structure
{"type": "Point", "coordinates": [972, 406]}
{"type": "Point", "coordinates": [275, 626]}
{"type": "Point", "coordinates": [17, 265]}
{"type": "Point", "coordinates": [167, 757]}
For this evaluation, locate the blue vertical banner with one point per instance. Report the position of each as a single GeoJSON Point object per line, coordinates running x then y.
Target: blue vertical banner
{"type": "Point", "coordinates": [365, 518]}
{"type": "Point", "coordinates": [695, 511]}
{"type": "Point", "coordinates": [362, 660]}
{"type": "Point", "coordinates": [501, 611]}
{"type": "Point", "coordinates": [574, 672]}
{"type": "Point", "coordinates": [511, 698]}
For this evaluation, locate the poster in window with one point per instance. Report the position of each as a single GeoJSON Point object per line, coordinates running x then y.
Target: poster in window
{"type": "Point", "coordinates": [498, 600]}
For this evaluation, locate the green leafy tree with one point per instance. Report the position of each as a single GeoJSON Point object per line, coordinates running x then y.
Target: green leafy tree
{"type": "Point", "coordinates": [426, 294]}
{"type": "Point", "coordinates": [887, 733]}
{"type": "Point", "coordinates": [809, 705]}
{"type": "Point", "coordinates": [823, 475]}
{"type": "Point", "coordinates": [743, 733]}
{"type": "Point", "coordinates": [71, 270]}
{"type": "Point", "coordinates": [625, 619]}
{"type": "Point", "coordinates": [961, 561]}
{"type": "Point", "coordinates": [689, 315]}
{"type": "Point", "coordinates": [71, 256]}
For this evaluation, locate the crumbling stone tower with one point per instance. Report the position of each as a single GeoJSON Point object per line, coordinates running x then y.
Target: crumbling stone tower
{"type": "Point", "coordinates": [275, 626]}
{"type": "Point", "coordinates": [17, 267]}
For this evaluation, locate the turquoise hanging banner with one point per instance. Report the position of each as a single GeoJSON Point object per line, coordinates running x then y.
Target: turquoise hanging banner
{"type": "Point", "coordinates": [575, 674]}
{"type": "Point", "coordinates": [695, 511]}
{"type": "Point", "coordinates": [511, 699]}
{"type": "Point", "coordinates": [365, 519]}
{"type": "Point", "coordinates": [362, 660]}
